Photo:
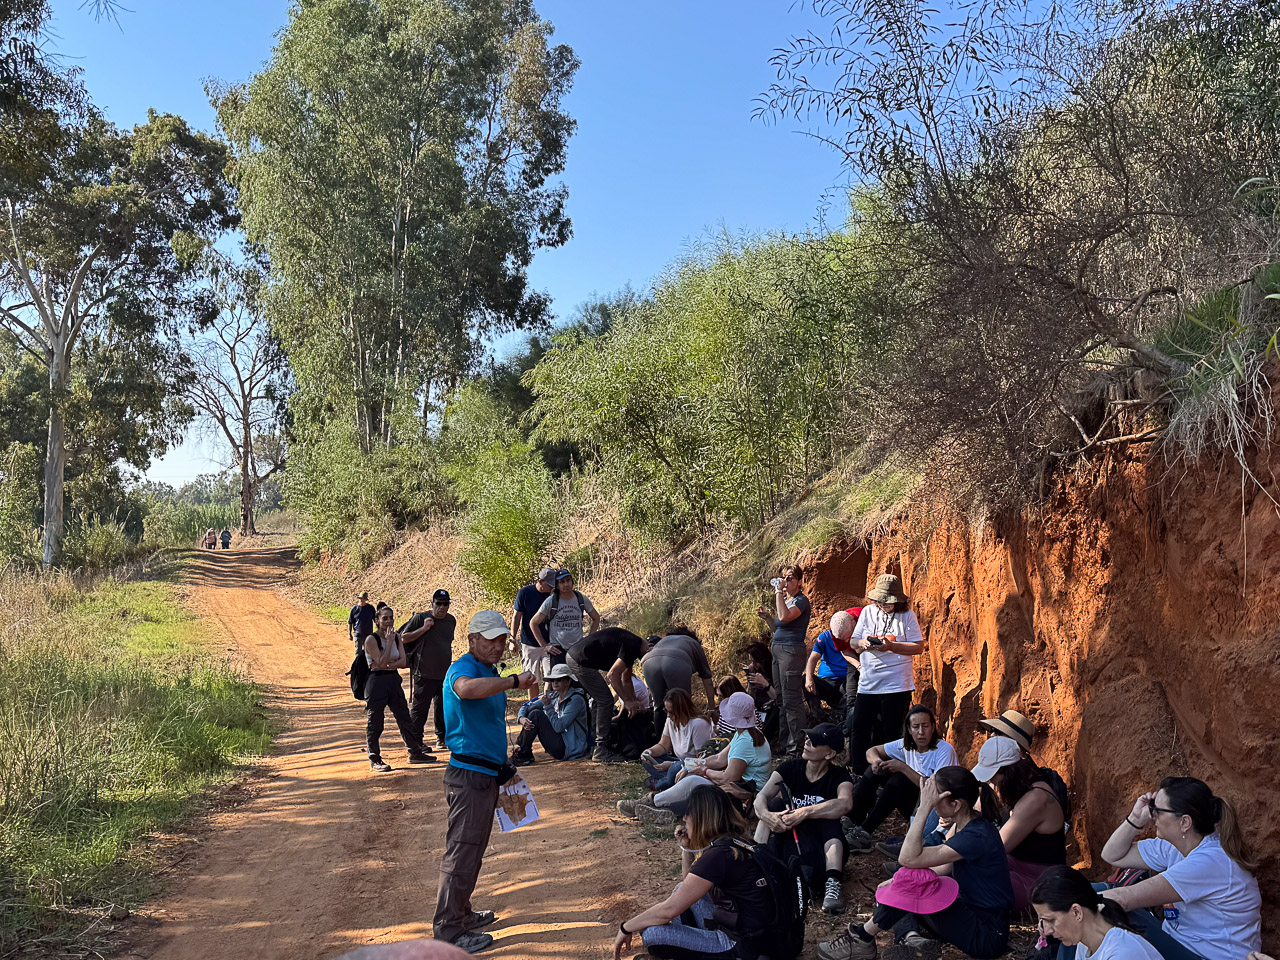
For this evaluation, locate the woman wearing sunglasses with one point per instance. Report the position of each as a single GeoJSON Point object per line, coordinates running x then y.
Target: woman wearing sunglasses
{"type": "Point", "coordinates": [1204, 873]}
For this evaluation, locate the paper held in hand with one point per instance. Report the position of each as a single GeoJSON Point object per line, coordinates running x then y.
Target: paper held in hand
{"type": "Point", "coordinates": [515, 804]}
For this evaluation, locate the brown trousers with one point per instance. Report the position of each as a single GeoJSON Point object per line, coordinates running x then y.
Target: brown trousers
{"type": "Point", "coordinates": [472, 799]}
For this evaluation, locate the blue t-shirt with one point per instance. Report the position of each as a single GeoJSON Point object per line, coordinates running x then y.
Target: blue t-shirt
{"type": "Point", "coordinates": [833, 663]}
{"type": "Point", "coordinates": [756, 758]}
{"type": "Point", "coordinates": [478, 727]}
{"type": "Point", "coordinates": [794, 631]}
{"type": "Point", "coordinates": [528, 600]}
{"type": "Point", "coordinates": [983, 873]}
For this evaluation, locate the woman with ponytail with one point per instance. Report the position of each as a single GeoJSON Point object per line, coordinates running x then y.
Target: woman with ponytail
{"type": "Point", "coordinates": [1212, 909]}
{"type": "Point", "coordinates": [1090, 926]}
{"type": "Point", "coordinates": [924, 909]}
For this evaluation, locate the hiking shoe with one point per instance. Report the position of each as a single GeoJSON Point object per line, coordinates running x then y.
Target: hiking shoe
{"type": "Point", "coordinates": [914, 947]}
{"type": "Point", "coordinates": [859, 840]}
{"type": "Point", "coordinates": [889, 848]}
{"type": "Point", "coordinates": [522, 759]}
{"type": "Point", "coordinates": [608, 756]}
{"type": "Point", "coordinates": [832, 901]}
{"type": "Point", "coordinates": [421, 757]}
{"type": "Point", "coordinates": [887, 870]}
{"type": "Point", "coordinates": [471, 942]}
{"type": "Point", "coordinates": [655, 816]}
{"type": "Point", "coordinates": [480, 918]}
{"type": "Point", "coordinates": [628, 808]}
{"type": "Point", "coordinates": [850, 946]}
{"type": "Point", "coordinates": [377, 766]}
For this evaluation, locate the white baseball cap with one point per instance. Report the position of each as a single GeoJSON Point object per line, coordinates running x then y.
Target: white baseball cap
{"type": "Point", "coordinates": [996, 753]}
{"type": "Point", "coordinates": [490, 624]}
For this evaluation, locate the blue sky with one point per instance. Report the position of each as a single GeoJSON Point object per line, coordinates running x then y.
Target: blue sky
{"type": "Point", "coordinates": [665, 153]}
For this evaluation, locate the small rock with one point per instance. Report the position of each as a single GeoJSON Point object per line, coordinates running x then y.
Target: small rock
{"type": "Point", "coordinates": [118, 912]}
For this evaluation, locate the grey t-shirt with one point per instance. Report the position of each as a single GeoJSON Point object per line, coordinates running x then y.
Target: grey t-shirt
{"type": "Point", "coordinates": [685, 648]}
{"type": "Point", "coordinates": [795, 630]}
{"type": "Point", "coordinates": [566, 628]}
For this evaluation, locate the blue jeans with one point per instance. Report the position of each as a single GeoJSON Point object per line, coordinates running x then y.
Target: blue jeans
{"type": "Point", "coordinates": [662, 780]}
{"type": "Point", "coordinates": [688, 933]}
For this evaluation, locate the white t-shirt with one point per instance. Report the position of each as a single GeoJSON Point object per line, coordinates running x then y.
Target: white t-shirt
{"type": "Point", "coordinates": [1219, 916]}
{"type": "Point", "coordinates": [688, 740]}
{"type": "Point", "coordinates": [642, 693]}
{"type": "Point", "coordinates": [929, 762]}
{"type": "Point", "coordinates": [566, 629]}
{"type": "Point", "coordinates": [883, 672]}
{"type": "Point", "coordinates": [1119, 945]}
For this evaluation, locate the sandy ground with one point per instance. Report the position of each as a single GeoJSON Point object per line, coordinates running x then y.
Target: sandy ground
{"type": "Point", "coordinates": [317, 855]}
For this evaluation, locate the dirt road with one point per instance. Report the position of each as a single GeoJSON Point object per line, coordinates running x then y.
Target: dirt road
{"type": "Point", "coordinates": [324, 856]}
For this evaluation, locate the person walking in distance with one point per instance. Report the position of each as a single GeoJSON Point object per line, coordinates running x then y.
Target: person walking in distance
{"type": "Point", "coordinates": [789, 620]}
{"type": "Point", "coordinates": [428, 644]}
{"type": "Point", "coordinates": [225, 537]}
{"type": "Point", "coordinates": [557, 625]}
{"type": "Point", "coordinates": [360, 620]}
{"type": "Point", "coordinates": [528, 601]}
{"type": "Point", "coordinates": [475, 707]}
{"type": "Point", "coordinates": [384, 652]}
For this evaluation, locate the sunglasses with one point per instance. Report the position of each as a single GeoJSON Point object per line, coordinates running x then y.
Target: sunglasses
{"type": "Point", "coordinates": [1151, 805]}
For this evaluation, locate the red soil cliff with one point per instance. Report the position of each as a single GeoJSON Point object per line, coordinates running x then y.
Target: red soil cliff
{"type": "Point", "coordinates": [1136, 619]}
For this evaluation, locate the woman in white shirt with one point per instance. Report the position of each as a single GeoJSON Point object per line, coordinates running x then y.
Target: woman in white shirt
{"type": "Point", "coordinates": [683, 735]}
{"type": "Point", "coordinates": [1089, 925]}
{"type": "Point", "coordinates": [892, 780]}
{"type": "Point", "coordinates": [885, 638]}
{"type": "Point", "coordinates": [1204, 873]}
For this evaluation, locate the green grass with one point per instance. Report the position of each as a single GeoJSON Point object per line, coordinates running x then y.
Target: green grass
{"type": "Point", "coordinates": [115, 714]}
{"type": "Point", "coordinates": [598, 833]}
{"type": "Point", "coordinates": [335, 614]}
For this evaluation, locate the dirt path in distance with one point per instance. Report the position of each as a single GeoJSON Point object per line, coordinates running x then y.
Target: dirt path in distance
{"type": "Point", "coordinates": [324, 856]}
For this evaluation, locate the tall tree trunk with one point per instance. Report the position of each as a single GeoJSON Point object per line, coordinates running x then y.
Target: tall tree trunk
{"type": "Point", "coordinates": [55, 459]}
{"type": "Point", "coordinates": [246, 476]}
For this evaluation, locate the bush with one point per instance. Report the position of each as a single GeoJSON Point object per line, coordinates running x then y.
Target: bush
{"type": "Point", "coordinates": [508, 530]}
{"type": "Point", "coordinates": [97, 544]}
{"type": "Point", "coordinates": [19, 505]}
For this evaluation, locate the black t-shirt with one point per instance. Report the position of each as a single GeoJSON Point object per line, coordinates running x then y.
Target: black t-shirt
{"type": "Point", "coordinates": [983, 874]}
{"type": "Point", "coordinates": [806, 792]}
{"type": "Point", "coordinates": [601, 649]}
{"type": "Point", "coordinates": [741, 881]}
{"type": "Point", "coordinates": [430, 655]}
{"type": "Point", "coordinates": [528, 600]}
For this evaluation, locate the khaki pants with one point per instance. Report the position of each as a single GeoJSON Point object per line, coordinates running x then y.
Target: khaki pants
{"type": "Point", "coordinates": [472, 799]}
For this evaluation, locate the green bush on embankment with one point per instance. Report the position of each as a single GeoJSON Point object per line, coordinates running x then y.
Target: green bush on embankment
{"type": "Point", "coordinates": [114, 715]}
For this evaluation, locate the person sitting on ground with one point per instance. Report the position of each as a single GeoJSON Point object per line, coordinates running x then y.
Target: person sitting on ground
{"type": "Point", "coordinates": [740, 769]}
{"type": "Point", "coordinates": [1013, 725]}
{"type": "Point", "coordinates": [384, 653]}
{"type": "Point", "coordinates": [671, 664]}
{"type": "Point", "coordinates": [826, 672]}
{"type": "Point", "coordinates": [557, 718]}
{"type": "Point", "coordinates": [1204, 873]}
{"type": "Point", "coordinates": [1088, 925]}
{"type": "Point", "coordinates": [631, 734]}
{"type": "Point", "coordinates": [1033, 831]}
{"type": "Point", "coordinates": [726, 687]}
{"type": "Point", "coordinates": [971, 911]}
{"type": "Point", "coordinates": [725, 870]}
{"type": "Point", "coordinates": [887, 638]}
{"type": "Point", "coordinates": [759, 674]}
{"type": "Point", "coordinates": [225, 537]}
{"type": "Point", "coordinates": [800, 809]}
{"type": "Point", "coordinates": [683, 735]}
{"type": "Point", "coordinates": [895, 772]}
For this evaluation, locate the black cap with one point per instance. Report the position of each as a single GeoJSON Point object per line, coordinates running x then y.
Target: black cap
{"type": "Point", "coordinates": [440, 596]}
{"type": "Point", "coordinates": [826, 735]}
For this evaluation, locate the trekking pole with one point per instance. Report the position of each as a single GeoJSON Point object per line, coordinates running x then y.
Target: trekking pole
{"type": "Point", "coordinates": [790, 802]}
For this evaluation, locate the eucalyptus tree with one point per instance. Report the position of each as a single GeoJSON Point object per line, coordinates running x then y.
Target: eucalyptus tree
{"type": "Point", "coordinates": [99, 242]}
{"type": "Point", "coordinates": [395, 161]}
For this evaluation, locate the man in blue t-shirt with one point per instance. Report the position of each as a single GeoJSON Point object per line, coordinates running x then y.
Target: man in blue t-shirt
{"type": "Point", "coordinates": [825, 673]}
{"type": "Point", "coordinates": [475, 714]}
{"type": "Point", "coordinates": [528, 600]}
{"type": "Point", "coordinates": [360, 619]}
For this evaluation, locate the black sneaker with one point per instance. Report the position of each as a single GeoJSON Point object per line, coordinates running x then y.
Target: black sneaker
{"type": "Point", "coordinates": [480, 918]}
{"type": "Point", "coordinates": [606, 755]}
{"type": "Point", "coordinates": [422, 757]}
{"type": "Point", "coordinates": [522, 759]}
{"type": "Point", "coordinates": [377, 766]}
{"type": "Point", "coordinates": [913, 947]}
{"type": "Point", "coordinates": [471, 942]}
{"type": "Point", "coordinates": [889, 848]}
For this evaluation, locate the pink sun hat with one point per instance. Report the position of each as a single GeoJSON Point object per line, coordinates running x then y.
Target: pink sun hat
{"type": "Point", "coordinates": [919, 890]}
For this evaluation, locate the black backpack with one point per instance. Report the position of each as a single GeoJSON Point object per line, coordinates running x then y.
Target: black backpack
{"type": "Point", "coordinates": [1059, 787]}
{"type": "Point", "coordinates": [555, 605]}
{"type": "Point", "coordinates": [784, 938]}
{"type": "Point", "coordinates": [359, 672]}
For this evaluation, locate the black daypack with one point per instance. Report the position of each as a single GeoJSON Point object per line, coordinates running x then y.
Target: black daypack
{"type": "Point", "coordinates": [359, 672]}
{"type": "Point", "coordinates": [1059, 787]}
{"type": "Point", "coordinates": [555, 605]}
{"type": "Point", "coordinates": [784, 938]}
